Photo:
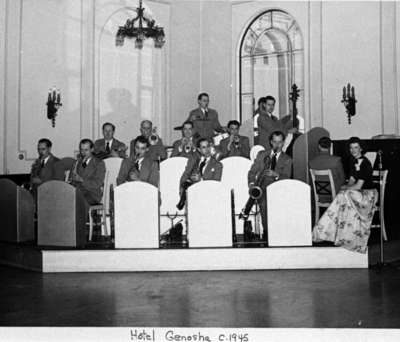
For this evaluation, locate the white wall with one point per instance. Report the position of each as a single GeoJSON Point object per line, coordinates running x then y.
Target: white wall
{"type": "Point", "coordinates": [45, 43]}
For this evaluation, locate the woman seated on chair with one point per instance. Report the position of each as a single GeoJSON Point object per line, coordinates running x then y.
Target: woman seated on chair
{"type": "Point", "coordinates": [348, 219]}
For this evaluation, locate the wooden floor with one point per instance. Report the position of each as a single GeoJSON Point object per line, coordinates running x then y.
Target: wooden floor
{"type": "Point", "coordinates": [282, 298]}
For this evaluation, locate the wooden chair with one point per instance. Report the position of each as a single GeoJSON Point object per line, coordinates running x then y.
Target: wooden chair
{"type": "Point", "coordinates": [380, 208]}
{"type": "Point", "coordinates": [322, 187]}
{"type": "Point", "coordinates": [100, 208]}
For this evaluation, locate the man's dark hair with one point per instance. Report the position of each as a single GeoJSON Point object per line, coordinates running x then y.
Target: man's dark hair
{"type": "Point", "coordinates": [45, 141]}
{"type": "Point", "coordinates": [276, 134]}
{"type": "Point", "coordinates": [261, 100]}
{"type": "Point", "coordinates": [187, 123]}
{"type": "Point", "coordinates": [356, 140]}
{"type": "Point", "coordinates": [269, 97]}
{"type": "Point", "coordinates": [200, 141]}
{"type": "Point", "coordinates": [325, 142]}
{"type": "Point", "coordinates": [86, 141]}
{"type": "Point", "coordinates": [201, 95]}
{"type": "Point", "coordinates": [143, 140]}
{"type": "Point", "coordinates": [233, 122]}
{"type": "Point", "coordinates": [108, 124]}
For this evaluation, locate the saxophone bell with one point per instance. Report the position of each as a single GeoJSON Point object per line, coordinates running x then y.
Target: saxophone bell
{"type": "Point", "coordinates": [153, 139]}
{"type": "Point", "coordinates": [255, 192]}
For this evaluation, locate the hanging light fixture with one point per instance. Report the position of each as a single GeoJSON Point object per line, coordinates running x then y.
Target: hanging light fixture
{"type": "Point", "coordinates": [140, 32]}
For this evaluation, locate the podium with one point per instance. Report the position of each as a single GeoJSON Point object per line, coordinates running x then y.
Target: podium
{"type": "Point", "coordinates": [16, 212]}
{"type": "Point", "coordinates": [61, 215]}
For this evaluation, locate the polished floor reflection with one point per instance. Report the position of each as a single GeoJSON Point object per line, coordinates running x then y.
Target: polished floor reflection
{"type": "Point", "coordinates": [283, 298]}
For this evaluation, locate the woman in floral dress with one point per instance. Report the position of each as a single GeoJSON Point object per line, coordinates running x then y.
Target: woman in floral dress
{"type": "Point", "coordinates": [348, 219]}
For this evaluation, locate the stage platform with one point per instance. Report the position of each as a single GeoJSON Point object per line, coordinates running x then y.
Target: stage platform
{"type": "Point", "coordinates": [189, 259]}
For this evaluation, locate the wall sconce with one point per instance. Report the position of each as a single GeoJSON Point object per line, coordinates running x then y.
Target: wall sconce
{"type": "Point", "coordinates": [53, 103]}
{"type": "Point", "coordinates": [349, 101]}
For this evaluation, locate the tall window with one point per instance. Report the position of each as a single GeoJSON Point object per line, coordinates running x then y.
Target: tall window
{"type": "Point", "coordinates": [271, 60]}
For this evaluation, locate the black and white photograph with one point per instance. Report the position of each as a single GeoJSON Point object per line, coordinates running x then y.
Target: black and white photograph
{"type": "Point", "coordinates": [199, 170]}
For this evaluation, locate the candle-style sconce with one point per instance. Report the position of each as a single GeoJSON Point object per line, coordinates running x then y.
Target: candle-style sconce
{"type": "Point", "coordinates": [53, 103]}
{"type": "Point", "coordinates": [349, 101]}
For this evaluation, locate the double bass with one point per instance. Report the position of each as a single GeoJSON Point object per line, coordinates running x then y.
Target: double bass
{"type": "Point", "coordinates": [292, 136]}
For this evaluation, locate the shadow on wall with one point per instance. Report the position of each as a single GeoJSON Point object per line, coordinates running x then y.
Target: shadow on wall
{"type": "Point", "coordinates": [124, 114]}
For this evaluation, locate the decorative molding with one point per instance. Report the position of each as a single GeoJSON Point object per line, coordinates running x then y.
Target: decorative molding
{"type": "Point", "coordinates": [321, 64]}
{"type": "Point", "coordinates": [5, 81]}
{"type": "Point", "coordinates": [381, 68]}
{"type": "Point", "coordinates": [395, 69]}
{"type": "Point", "coordinates": [21, 151]}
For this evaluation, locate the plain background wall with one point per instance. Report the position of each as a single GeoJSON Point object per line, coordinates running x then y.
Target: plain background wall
{"type": "Point", "coordinates": [45, 43]}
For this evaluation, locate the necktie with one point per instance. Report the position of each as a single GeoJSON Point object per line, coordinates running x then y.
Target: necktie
{"type": "Point", "coordinates": [201, 166]}
{"type": "Point", "coordinates": [42, 164]}
{"type": "Point", "coordinates": [206, 114]}
{"type": "Point", "coordinates": [273, 162]}
{"type": "Point", "coordinates": [137, 165]}
{"type": "Point", "coordinates": [108, 147]}
{"type": "Point", "coordinates": [84, 164]}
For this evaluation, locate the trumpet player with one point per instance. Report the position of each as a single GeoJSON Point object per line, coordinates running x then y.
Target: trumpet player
{"type": "Point", "coordinates": [43, 168]}
{"type": "Point", "coordinates": [156, 148]}
{"type": "Point", "coordinates": [139, 166]}
{"type": "Point", "coordinates": [88, 173]}
{"type": "Point", "coordinates": [108, 146]}
{"type": "Point", "coordinates": [185, 146]}
{"type": "Point", "coordinates": [236, 144]}
{"type": "Point", "coordinates": [269, 166]}
{"type": "Point", "coordinates": [200, 166]}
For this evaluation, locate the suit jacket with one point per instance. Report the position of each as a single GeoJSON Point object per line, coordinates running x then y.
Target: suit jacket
{"type": "Point", "coordinates": [204, 127]}
{"type": "Point", "coordinates": [325, 161]}
{"type": "Point", "coordinates": [156, 152]}
{"type": "Point", "coordinates": [267, 125]}
{"type": "Point", "coordinates": [212, 171]}
{"type": "Point", "coordinates": [176, 146]}
{"type": "Point", "coordinates": [283, 168]}
{"type": "Point", "coordinates": [242, 151]}
{"type": "Point", "coordinates": [93, 180]}
{"type": "Point", "coordinates": [100, 147]}
{"type": "Point", "coordinates": [148, 171]}
{"type": "Point", "coordinates": [45, 173]}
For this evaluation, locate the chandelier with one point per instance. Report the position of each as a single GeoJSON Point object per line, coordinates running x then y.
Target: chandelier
{"type": "Point", "coordinates": [140, 32]}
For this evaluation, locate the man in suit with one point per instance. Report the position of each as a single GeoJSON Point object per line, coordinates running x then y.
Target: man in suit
{"type": "Point", "coordinates": [200, 166]}
{"type": "Point", "coordinates": [156, 150]}
{"type": "Point", "coordinates": [185, 146]}
{"type": "Point", "coordinates": [108, 146]}
{"type": "Point", "coordinates": [325, 161]}
{"type": "Point", "coordinates": [88, 174]}
{"type": "Point", "coordinates": [139, 166]}
{"type": "Point", "coordinates": [235, 144]}
{"type": "Point", "coordinates": [43, 168]}
{"type": "Point", "coordinates": [205, 120]}
{"type": "Point", "coordinates": [267, 122]}
{"type": "Point", "coordinates": [271, 166]}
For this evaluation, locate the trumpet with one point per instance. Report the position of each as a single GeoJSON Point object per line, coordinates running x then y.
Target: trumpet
{"type": "Point", "coordinates": [236, 141]}
{"type": "Point", "coordinates": [153, 139]}
{"type": "Point", "coordinates": [186, 145]}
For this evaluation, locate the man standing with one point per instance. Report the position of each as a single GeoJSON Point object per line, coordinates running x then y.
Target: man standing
{"type": "Point", "coordinates": [43, 168]}
{"type": "Point", "coordinates": [205, 120]}
{"type": "Point", "coordinates": [185, 146]}
{"type": "Point", "coordinates": [88, 173]}
{"type": "Point", "coordinates": [139, 166]}
{"type": "Point", "coordinates": [156, 149]}
{"type": "Point", "coordinates": [325, 161]}
{"type": "Point", "coordinates": [269, 166]}
{"type": "Point", "coordinates": [108, 146]}
{"type": "Point", "coordinates": [267, 122]}
{"type": "Point", "coordinates": [200, 166]}
{"type": "Point", "coordinates": [235, 145]}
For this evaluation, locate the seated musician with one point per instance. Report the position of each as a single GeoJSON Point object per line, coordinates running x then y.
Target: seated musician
{"type": "Point", "coordinates": [205, 120]}
{"type": "Point", "coordinates": [139, 166]}
{"type": "Point", "coordinates": [108, 146]}
{"type": "Point", "coordinates": [43, 168]}
{"type": "Point", "coordinates": [235, 145]}
{"type": "Point", "coordinates": [156, 149]}
{"type": "Point", "coordinates": [88, 173]}
{"type": "Point", "coordinates": [269, 166]}
{"type": "Point", "coordinates": [185, 146]}
{"type": "Point", "coordinates": [325, 161]}
{"type": "Point", "coordinates": [200, 166]}
{"type": "Point", "coordinates": [348, 219]}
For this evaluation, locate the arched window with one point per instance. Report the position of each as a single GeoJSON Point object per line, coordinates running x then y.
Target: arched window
{"type": "Point", "coordinates": [271, 61]}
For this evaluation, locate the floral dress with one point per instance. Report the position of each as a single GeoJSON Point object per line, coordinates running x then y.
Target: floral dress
{"type": "Point", "coordinates": [347, 221]}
